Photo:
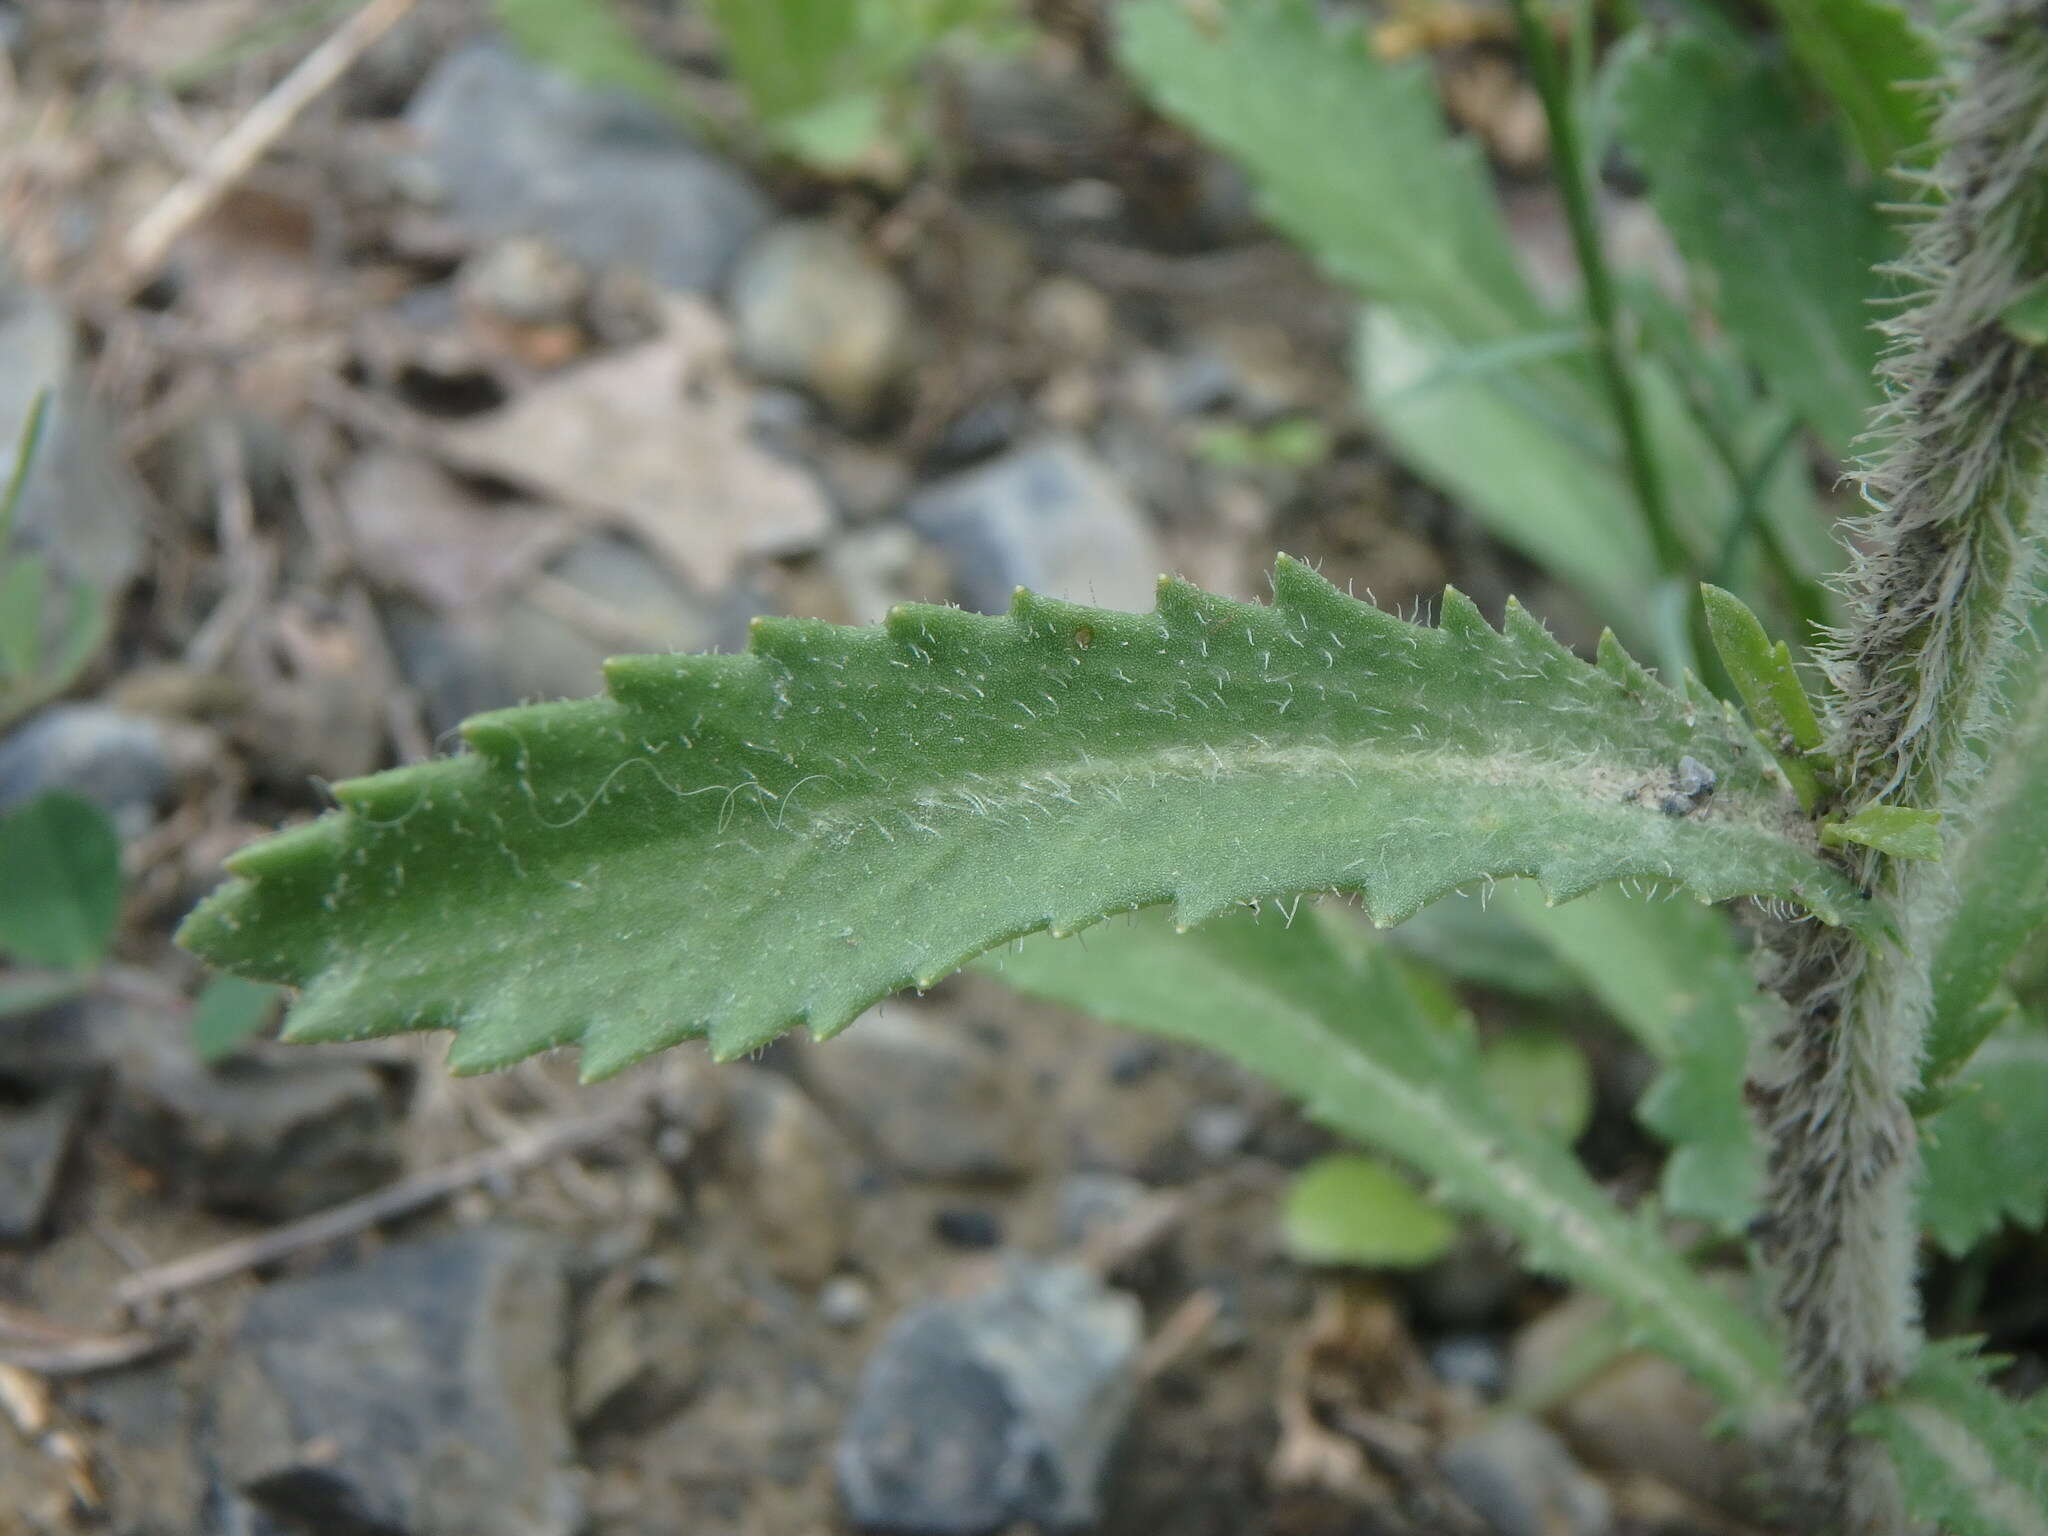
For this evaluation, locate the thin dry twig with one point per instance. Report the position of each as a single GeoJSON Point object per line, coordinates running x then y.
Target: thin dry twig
{"type": "Point", "coordinates": [231, 158]}
{"type": "Point", "coordinates": [561, 1139]}
{"type": "Point", "coordinates": [250, 564]}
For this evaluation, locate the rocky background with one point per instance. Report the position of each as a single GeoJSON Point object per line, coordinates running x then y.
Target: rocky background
{"type": "Point", "coordinates": [477, 377]}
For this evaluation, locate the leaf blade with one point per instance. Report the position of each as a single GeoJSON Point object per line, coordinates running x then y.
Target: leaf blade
{"type": "Point", "coordinates": [733, 845]}
{"type": "Point", "coordinates": [1345, 1035]}
{"type": "Point", "coordinates": [1759, 196]}
{"type": "Point", "coordinates": [1969, 1457]}
{"type": "Point", "coordinates": [60, 882]}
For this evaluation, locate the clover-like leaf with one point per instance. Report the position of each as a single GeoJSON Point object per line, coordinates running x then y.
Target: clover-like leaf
{"type": "Point", "coordinates": [733, 845]}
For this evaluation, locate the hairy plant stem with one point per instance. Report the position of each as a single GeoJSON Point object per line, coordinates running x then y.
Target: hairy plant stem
{"type": "Point", "coordinates": [1945, 566]}
{"type": "Point", "coordinates": [1570, 166]}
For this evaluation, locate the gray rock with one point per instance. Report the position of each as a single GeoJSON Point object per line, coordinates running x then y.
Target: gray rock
{"type": "Point", "coordinates": [812, 308]}
{"type": "Point", "coordinates": [845, 1301]}
{"type": "Point", "coordinates": [522, 150]}
{"type": "Point", "coordinates": [1220, 1131]}
{"type": "Point", "coordinates": [156, 1484]}
{"type": "Point", "coordinates": [266, 1136]}
{"type": "Point", "coordinates": [1469, 1286]}
{"type": "Point", "coordinates": [980, 1411]}
{"type": "Point", "coordinates": [1091, 1204]}
{"type": "Point", "coordinates": [788, 1167]}
{"type": "Point", "coordinates": [930, 1096]}
{"type": "Point", "coordinates": [537, 646]}
{"type": "Point", "coordinates": [125, 764]}
{"type": "Point", "coordinates": [1472, 1361]}
{"type": "Point", "coordinates": [79, 504]}
{"type": "Point", "coordinates": [1047, 516]}
{"type": "Point", "coordinates": [524, 279]}
{"type": "Point", "coordinates": [34, 1139]}
{"type": "Point", "coordinates": [418, 1393]}
{"type": "Point", "coordinates": [1521, 1480]}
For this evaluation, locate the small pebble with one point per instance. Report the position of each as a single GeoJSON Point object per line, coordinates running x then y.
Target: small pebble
{"type": "Point", "coordinates": [1470, 1360]}
{"type": "Point", "coordinates": [1219, 1130]}
{"type": "Point", "coordinates": [1132, 1064]}
{"type": "Point", "coordinates": [968, 1226]}
{"type": "Point", "coordinates": [845, 1301]}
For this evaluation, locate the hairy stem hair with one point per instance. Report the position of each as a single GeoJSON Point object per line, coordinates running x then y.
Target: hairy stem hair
{"type": "Point", "coordinates": [1944, 566]}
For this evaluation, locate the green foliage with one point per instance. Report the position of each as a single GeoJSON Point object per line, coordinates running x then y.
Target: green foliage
{"type": "Point", "coordinates": [589, 42]}
{"type": "Point", "coordinates": [1672, 974]}
{"type": "Point", "coordinates": [2027, 316]}
{"type": "Point", "coordinates": [826, 79]}
{"type": "Point", "coordinates": [2000, 868]}
{"type": "Point", "coordinates": [43, 647]}
{"type": "Point", "coordinates": [1985, 1152]}
{"type": "Point", "coordinates": [1321, 1010]}
{"type": "Point", "coordinates": [825, 76]}
{"type": "Point", "coordinates": [840, 813]}
{"type": "Point", "coordinates": [229, 1013]}
{"type": "Point", "coordinates": [1969, 1457]}
{"type": "Point", "coordinates": [1763, 673]}
{"type": "Point", "coordinates": [1759, 197]}
{"type": "Point", "coordinates": [1876, 63]}
{"type": "Point", "coordinates": [1541, 1078]}
{"type": "Point", "coordinates": [1296, 99]}
{"type": "Point", "coordinates": [1348, 1209]}
{"type": "Point", "coordinates": [60, 882]}
{"type": "Point", "coordinates": [1467, 373]}
{"type": "Point", "coordinates": [1899, 830]}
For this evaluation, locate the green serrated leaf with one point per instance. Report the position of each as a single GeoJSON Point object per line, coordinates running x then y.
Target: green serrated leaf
{"type": "Point", "coordinates": [1876, 63]}
{"type": "Point", "coordinates": [1348, 153]}
{"type": "Point", "coordinates": [2000, 869]}
{"type": "Point", "coordinates": [1541, 1078]}
{"type": "Point", "coordinates": [737, 844]}
{"type": "Point", "coordinates": [1899, 830]}
{"type": "Point", "coordinates": [1757, 194]}
{"type": "Point", "coordinates": [1526, 461]}
{"type": "Point", "coordinates": [228, 1014]}
{"type": "Point", "coordinates": [1348, 1209]}
{"type": "Point", "coordinates": [1971, 1460]}
{"type": "Point", "coordinates": [60, 882]}
{"type": "Point", "coordinates": [1673, 975]}
{"type": "Point", "coordinates": [1985, 1154]}
{"type": "Point", "coordinates": [1337, 1027]}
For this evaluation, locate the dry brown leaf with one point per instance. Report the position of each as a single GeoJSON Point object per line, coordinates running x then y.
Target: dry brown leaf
{"type": "Point", "coordinates": [655, 438]}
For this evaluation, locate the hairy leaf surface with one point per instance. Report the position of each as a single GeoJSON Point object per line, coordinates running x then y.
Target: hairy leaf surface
{"type": "Point", "coordinates": [1758, 194]}
{"type": "Point", "coordinates": [1336, 1024]}
{"type": "Point", "coordinates": [1986, 1152]}
{"type": "Point", "coordinates": [1970, 1459]}
{"type": "Point", "coordinates": [737, 844]}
